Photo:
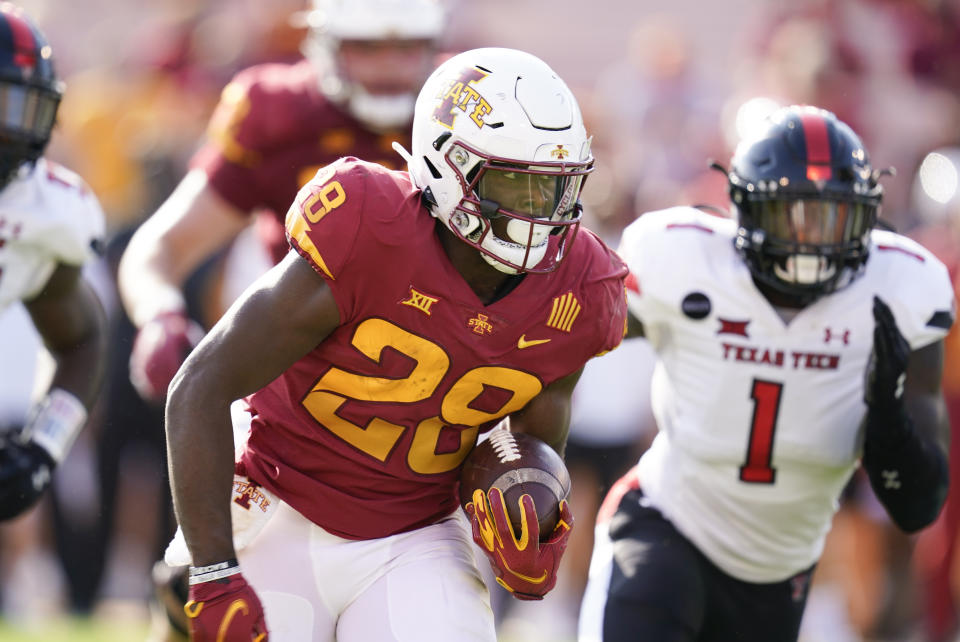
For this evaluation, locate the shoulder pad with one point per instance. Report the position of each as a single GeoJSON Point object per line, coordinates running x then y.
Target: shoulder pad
{"type": "Point", "coordinates": [915, 284]}
{"type": "Point", "coordinates": [69, 220]}
{"type": "Point", "coordinates": [258, 107]}
{"type": "Point", "coordinates": [344, 202]}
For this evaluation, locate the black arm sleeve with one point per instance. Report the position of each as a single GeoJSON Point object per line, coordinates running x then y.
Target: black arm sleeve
{"type": "Point", "coordinates": [909, 475]}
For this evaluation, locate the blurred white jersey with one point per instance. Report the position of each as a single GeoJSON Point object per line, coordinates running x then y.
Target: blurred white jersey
{"type": "Point", "coordinates": [48, 215]}
{"type": "Point", "coordinates": [760, 420]}
{"type": "Point", "coordinates": [611, 403]}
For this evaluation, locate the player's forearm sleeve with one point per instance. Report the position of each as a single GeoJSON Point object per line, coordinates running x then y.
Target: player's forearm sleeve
{"type": "Point", "coordinates": [909, 474]}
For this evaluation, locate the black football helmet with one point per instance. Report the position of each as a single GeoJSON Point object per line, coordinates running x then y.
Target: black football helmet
{"type": "Point", "coordinates": [30, 92]}
{"type": "Point", "coordinates": [806, 199]}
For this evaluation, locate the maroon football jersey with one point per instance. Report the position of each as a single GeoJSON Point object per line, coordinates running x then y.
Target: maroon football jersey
{"type": "Point", "coordinates": [366, 434]}
{"type": "Point", "coordinates": [271, 132]}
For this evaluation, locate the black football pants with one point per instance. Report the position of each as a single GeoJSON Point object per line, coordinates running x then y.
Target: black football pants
{"type": "Point", "coordinates": [663, 589]}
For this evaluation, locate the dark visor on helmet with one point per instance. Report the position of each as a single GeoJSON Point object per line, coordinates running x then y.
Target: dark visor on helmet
{"type": "Point", "coordinates": [812, 223]}
{"type": "Point", "coordinates": [27, 112]}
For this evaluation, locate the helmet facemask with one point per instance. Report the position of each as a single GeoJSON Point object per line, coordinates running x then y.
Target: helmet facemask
{"type": "Point", "coordinates": [373, 55]}
{"type": "Point", "coordinates": [515, 213]}
{"type": "Point", "coordinates": [805, 248]}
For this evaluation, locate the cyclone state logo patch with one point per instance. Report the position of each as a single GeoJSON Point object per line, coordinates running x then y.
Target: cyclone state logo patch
{"type": "Point", "coordinates": [696, 305]}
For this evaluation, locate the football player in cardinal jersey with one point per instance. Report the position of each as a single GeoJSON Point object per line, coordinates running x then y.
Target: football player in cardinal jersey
{"type": "Point", "coordinates": [276, 124]}
{"type": "Point", "coordinates": [795, 343]}
{"type": "Point", "coordinates": [50, 224]}
{"type": "Point", "coordinates": [416, 310]}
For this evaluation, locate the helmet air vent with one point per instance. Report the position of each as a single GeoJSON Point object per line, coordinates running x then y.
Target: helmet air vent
{"type": "Point", "coordinates": [433, 170]}
{"type": "Point", "coordinates": [440, 140]}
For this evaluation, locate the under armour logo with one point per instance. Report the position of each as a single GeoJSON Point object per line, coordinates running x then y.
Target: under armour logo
{"type": "Point", "coordinates": [829, 335]}
{"type": "Point", "coordinates": [40, 478]}
{"type": "Point", "coordinates": [900, 381]}
{"type": "Point", "coordinates": [891, 479]}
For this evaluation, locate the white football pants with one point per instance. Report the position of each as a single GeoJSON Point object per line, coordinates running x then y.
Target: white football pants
{"type": "Point", "coordinates": [420, 586]}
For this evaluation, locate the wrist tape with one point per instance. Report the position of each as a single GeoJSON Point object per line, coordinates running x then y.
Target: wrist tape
{"type": "Point", "coordinates": [211, 572]}
{"type": "Point", "coordinates": [55, 422]}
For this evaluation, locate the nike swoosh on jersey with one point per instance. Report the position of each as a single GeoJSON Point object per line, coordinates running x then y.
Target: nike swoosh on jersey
{"type": "Point", "coordinates": [522, 342]}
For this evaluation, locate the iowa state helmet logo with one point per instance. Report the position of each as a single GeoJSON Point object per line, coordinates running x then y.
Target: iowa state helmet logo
{"type": "Point", "coordinates": [460, 95]}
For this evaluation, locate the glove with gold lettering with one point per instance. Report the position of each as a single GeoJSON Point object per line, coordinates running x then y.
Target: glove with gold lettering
{"type": "Point", "coordinates": [524, 565]}
{"type": "Point", "coordinates": [223, 607]}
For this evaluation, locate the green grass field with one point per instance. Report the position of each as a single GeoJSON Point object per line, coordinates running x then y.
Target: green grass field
{"type": "Point", "coordinates": [75, 630]}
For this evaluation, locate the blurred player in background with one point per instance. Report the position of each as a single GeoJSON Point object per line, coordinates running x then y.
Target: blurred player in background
{"type": "Point", "coordinates": [792, 343]}
{"type": "Point", "coordinates": [417, 309]}
{"type": "Point", "coordinates": [276, 124]}
{"type": "Point", "coordinates": [50, 225]}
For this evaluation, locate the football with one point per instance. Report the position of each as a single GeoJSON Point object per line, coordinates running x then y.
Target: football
{"type": "Point", "coordinates": [518, 464]}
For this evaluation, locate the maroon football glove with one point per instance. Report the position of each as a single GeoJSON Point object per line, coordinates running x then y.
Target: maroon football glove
{"type": "Point", "coordinates": [160, 348]}
{"type": "Point", "coordinates": [225, 610]}
{"type": "Point", "coordinates": [523, 564]}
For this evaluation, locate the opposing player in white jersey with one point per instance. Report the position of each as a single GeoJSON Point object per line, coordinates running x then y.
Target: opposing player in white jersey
{"type": "Point", "coordinates": [50, 224]}
{"type": "Point", "coordinates": [794, 342]}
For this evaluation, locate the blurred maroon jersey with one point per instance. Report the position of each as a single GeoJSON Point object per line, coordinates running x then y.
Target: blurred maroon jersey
{"type": "Point", "coordinates": [271, 132]}
{"type": "Point", "coordinates": [366, 434]}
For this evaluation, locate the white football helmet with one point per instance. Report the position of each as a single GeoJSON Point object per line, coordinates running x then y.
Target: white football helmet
{"type": "Point", "coordinates": [331, 22]}
{"type": "Point", "coordinates": [498, 136]}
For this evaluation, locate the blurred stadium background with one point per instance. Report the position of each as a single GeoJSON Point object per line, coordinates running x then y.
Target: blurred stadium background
{"type": "Point", "coordinates": [664, 87]}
